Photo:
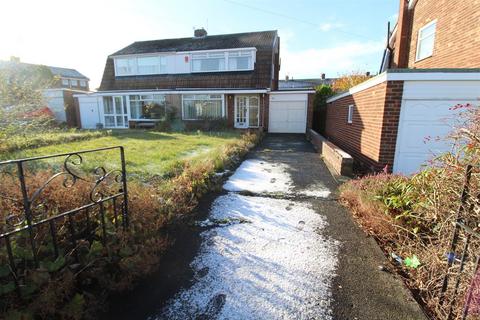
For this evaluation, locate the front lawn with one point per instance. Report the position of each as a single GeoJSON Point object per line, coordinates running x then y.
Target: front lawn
{"type": "Point", "coordinates": [148, 153]}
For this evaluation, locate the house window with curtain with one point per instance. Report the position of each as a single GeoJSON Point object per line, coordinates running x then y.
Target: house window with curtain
{"type": "Point", "coordinates": [208, 62]}
{"type": "Point", "coordinates": [240, 60]}
{"type": "Point", "coordinates": [202, 107]}
{"type": "Point", "coordinates": [149, 106]}
{"type": "Point", "coordinates": [426, 41]}
{"type": "Point", "coordinates": [148, 65]}
{"type": "Point", "coordinates": [125, 66]}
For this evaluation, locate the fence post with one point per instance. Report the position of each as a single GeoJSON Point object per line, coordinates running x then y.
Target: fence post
{"type": "Point", "coordinates": [125, 219]}
{"type": "Point", "coordinates": [27, 210]}
{"type": "Point", "coordinates": [461, 209]}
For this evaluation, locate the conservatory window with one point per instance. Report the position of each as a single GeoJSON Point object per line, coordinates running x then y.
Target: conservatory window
{"type": "Point", "coordinates": [149, 106]}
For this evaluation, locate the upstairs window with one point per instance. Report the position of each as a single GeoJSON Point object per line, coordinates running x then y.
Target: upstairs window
{"type": "Point", "coordinates": [240, 60]}
{"type": "Point", "coordinates": [426, 41]}
{"type": "Point", "coordinates": [148, 65]}
{"type": "Point", "coordinates": [140, 66]}
{"type": "Point", "coordinates": [125, 66]}
{"type": "Point", "coordinates": [208, 62]}
{"type": "Point", "coordinates": [65, 82]}
{"type": "Point", "coordinates": [74, 83]}
{"type": "Point", "coordinates": [83, 83]}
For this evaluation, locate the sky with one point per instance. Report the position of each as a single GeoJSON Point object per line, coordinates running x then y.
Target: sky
{"type": "Point", "coordinates": [316, 36]}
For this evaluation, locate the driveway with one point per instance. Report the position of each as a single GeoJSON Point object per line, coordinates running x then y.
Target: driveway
{"type": "Point", "coordinates": [277, 245]}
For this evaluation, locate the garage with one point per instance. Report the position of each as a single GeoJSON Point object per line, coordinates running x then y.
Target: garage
{"type": "Point", "coordinates": [426, 119]}
{"type": "Point", "coordinates": [288, 112]}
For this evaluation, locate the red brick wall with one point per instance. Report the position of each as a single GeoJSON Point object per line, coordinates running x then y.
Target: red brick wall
{"type": "Point", "coordinates": [371, 137]}
{"type": "Point", "coordinates": [310, 110]}
{"type": "Point", "coordinates": [457, 37]}
{"type": "Point", "coordinates": [230, 102]}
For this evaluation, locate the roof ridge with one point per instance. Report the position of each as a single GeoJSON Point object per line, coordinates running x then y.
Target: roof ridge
{"type": "Point", "coordinates": [208, 36]}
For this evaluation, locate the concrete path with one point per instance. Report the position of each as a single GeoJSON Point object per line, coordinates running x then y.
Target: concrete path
{"type": "Point", "coordinates": [277, 245]}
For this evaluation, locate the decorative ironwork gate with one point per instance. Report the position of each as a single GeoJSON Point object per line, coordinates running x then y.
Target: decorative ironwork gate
{"type": "Point", "coordinates": [37, 230]}
{"type": "Point", "coordinates": [461, 284]}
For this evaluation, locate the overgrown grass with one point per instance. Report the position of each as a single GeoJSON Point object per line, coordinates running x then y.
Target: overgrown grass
{"type": "Point", "coordinates": [10, 143]}
{"type": "Point", "coordinates": [148, 153]}
{"type": "Point", "coordinates": [413, 219]}
{"type": "Point", "coordinates": [65, 289]}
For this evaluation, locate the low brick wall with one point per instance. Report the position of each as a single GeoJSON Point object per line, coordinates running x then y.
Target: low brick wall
{"type": "Point", "coordinates": [340, 161]}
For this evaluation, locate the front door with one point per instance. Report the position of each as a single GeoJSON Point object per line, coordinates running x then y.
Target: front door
{"type": "Point", "coordinates": [247, 111]}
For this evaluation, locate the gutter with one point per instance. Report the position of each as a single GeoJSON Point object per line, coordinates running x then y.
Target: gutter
{"type": "Point", "coordinates": [412, 75]}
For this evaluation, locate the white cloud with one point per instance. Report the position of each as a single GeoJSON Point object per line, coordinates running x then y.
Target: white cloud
{"type": "Point", "coordinates": [393, 18]}
{"type": "Point", "coordinates": [333, 60]}
{"type": "Point", "coordinates": [328, 26]}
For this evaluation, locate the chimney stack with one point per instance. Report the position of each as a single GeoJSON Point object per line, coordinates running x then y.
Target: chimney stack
{"type": "Point", "coordinates": [367, 73]}
{"type": "Point", "coordinates": [200, 33]}
{"type": "Point", "coordinates": [286, 77]}
{"type": "Point", "coordinates": [400, 56]}
{"type": "Point", "coordinates": [323, 76]}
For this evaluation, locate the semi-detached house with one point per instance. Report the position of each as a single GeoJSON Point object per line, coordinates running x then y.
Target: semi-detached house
{"type": "Point", "coordinates": [400, 118]}
{"type": "Point", "coordinates": [233, 77]}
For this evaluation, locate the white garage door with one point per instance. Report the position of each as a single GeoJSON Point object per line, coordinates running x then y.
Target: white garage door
{"type": "Point", "coordinates": [288, 113]}
{"type": "Point", "coordinates": [426, 119]}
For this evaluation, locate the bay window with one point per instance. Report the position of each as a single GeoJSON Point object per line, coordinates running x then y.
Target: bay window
{"type": "Point", "coordinates": [149, 106]}
{"type": "Point", "coordinates": [202, 107]}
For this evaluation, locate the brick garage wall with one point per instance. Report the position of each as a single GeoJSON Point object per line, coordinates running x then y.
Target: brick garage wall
{"type": "Point", "coordinates": [457, 38]}
{"type": "Point", "coordinates": [371, 137]}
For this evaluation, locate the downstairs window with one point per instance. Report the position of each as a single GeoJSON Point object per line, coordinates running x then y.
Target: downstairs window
{"type": "Point", "coordinates": [202, 107]}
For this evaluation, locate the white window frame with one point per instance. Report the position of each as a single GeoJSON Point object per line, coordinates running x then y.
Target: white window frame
{"type": "Point", "coordinates": [65, 82]}
{"type": "Point", "coordinates": [144, 100]}
{"type": "Point", "coordinates": [74, 82]}
{"type": "Point", "coordinates": [350, 114]}
{"type": "Point", "coordinates": [421, 38]}
{"type": "Point", "coordinates": [161, 67]}
{"type": "Point", "coordinates": [222, 96]}
{"type": "Point", "coordinates": [83, 83]}
{"type": "Point", "coordinates": [226, 53]}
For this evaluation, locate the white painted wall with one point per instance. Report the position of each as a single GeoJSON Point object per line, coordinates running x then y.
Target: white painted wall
{"type": "Point", "coordinates": [288, 112]}
{"type": "Point", "coordinates": [89, 111]}
{"type": "Point", "coordinates": [425, 113]}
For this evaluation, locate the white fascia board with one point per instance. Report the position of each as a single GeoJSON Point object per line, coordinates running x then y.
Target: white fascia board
{"type": "Point", "coordinates": [213, 91]}
{"type": "Point", "coordinates": [180, 52]}
{"type": "Point", "coordinates": [408, 76]}
{"type": "Point", "coordinates": [291, 92]}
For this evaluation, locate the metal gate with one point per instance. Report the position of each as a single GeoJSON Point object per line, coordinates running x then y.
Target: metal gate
{"type": "Point", "coordinates": [37, 232]}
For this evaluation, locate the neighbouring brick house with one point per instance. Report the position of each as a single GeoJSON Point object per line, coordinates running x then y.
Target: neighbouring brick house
{"type": "Point", "coordinates": [205, 78]}
{"type": "Point", "coordinates": [400, 117]}
{"type": "Point", "coordinates": [59, 95]}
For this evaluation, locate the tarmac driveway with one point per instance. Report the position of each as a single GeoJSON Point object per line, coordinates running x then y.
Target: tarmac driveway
{"type": "Point", "coordinates": [277, 245]}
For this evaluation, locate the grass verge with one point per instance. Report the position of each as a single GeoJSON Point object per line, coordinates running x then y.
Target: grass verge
{"type": "Point", "coordinates": [68, 289]}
